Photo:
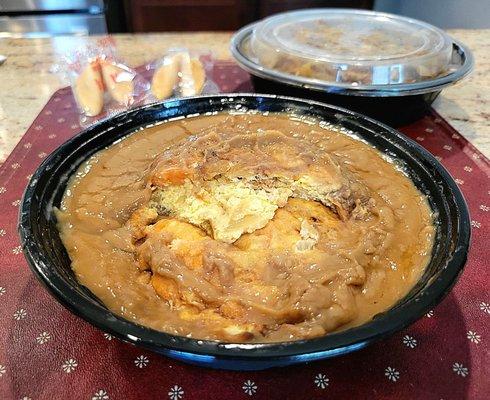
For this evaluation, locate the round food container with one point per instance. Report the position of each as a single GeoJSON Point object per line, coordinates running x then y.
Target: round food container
{"type": "Point", "coordinates": [386, 66]}
{"type": "Point", "coordinates": [51, 264]}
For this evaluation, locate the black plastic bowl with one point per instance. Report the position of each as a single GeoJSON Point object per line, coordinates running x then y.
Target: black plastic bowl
{"type": "Point", "coordinates": [394, 105]}
{"type": "Point", "coordinates": [50, 263]}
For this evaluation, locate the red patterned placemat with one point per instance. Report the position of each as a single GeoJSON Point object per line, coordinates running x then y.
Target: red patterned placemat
{"type": "Point", "coordinates": [48, 353]}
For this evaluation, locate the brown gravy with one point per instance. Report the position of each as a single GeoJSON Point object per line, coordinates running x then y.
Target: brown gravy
{"type": "Point", "coordinates": [359, 266]}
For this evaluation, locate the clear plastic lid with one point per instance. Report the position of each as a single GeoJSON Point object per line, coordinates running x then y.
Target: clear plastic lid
{"type": "Point", "coordinates": [351, 47]}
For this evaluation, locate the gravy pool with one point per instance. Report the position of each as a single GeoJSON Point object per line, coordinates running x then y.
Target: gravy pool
{"type": "Point", "coordinates": [359, 266]}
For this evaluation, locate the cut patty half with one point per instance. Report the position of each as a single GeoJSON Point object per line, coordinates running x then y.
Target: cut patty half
{"type": "Point", "coordinates": [230, 184]}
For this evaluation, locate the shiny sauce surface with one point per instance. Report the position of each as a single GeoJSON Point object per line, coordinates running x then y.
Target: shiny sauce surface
{"type": "Point", "coordinates": [260, 288]}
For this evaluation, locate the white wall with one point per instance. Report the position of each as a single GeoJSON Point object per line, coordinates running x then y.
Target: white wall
{"type": "Point", "coordinates": [442, 13]}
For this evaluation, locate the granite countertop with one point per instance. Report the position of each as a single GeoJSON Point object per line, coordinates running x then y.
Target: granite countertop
{"type": "Point", "coordinates": [31, 74]}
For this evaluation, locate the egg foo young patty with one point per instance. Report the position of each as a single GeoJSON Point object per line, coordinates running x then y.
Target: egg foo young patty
{"type": "Point", "coordinates": [230, 184]}
{"type": "Point", "coordinates": [245, 228]}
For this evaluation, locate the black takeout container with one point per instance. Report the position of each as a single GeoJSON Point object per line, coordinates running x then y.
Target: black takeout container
{"type": "Point", "coordinates": [395, 104]}
{"type": "Point", "coordinates": [50, 263]}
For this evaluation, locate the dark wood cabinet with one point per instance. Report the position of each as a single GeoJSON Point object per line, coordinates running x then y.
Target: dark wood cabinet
{"type": "Point", "coordinates": [188, 15]}
{"type": "Point", "coordinates": [214, 15]}
{"type": "Point", "coordinates": [269, 7]}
